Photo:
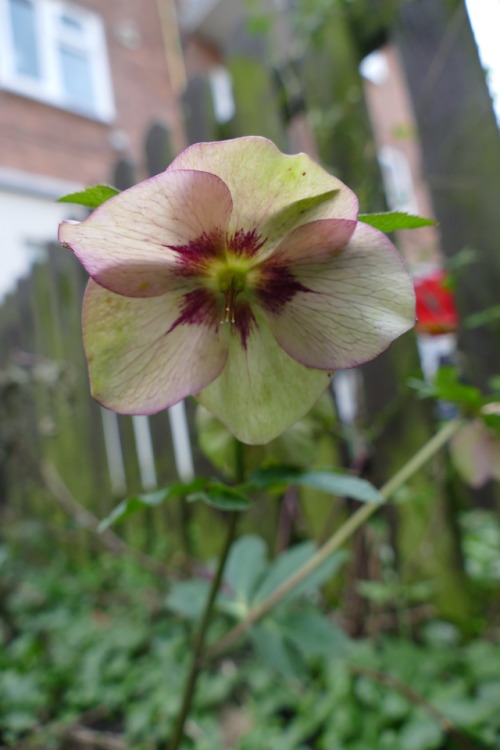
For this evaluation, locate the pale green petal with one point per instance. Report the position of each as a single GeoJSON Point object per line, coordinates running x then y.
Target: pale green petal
{"type": "Point", "coordinates": [358, 302]}
{"type": "Point", "coordinates": [125, 244]}
{"type": "Point", "coordinates": [136, 365]}
{"type": "Point", "coordinates": [271, 191]}
{"type": "Point", "coordinates": [317, 240]}
{"type": "Point", "coordinates": [262, 391]}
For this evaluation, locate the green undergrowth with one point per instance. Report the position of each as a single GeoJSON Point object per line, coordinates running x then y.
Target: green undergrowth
{"type": "Point", "coordinates": [105, 646]}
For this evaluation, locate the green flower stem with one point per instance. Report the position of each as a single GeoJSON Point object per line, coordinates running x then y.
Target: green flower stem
{"type": "Point", "coordinates": [199, 643]}
{"type": "Point", "coordinates": [339, 537]}
{"type": "Point", "coordinates": [196, 663]}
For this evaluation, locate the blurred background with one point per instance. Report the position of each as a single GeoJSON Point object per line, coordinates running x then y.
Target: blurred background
{"type": "Point", "coordinates": [401, 100]}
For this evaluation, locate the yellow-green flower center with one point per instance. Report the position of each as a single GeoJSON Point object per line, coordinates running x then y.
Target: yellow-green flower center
{"type": "Point", "coordinates": [231, 280]}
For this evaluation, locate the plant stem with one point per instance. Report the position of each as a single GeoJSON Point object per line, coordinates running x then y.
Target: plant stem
{"type": "Point", "coordinates": [196, 663]}
{"type": "Point", "coordinates": [339, 537]}
{"type": "Point", "coordinates": [199, 642]}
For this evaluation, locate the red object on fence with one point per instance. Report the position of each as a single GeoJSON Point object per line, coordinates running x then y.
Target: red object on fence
{"type": "Point", "coordinates": [436, 310]}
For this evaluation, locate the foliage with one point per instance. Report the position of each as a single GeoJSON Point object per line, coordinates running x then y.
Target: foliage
{"type": "Point", "coordinates": [103, 643]}
{"type": "Point", "coordinates": [394, 221]}
{"type": "Point", "coordinates": [447, 386]}
{"type": "Point", "coordinates": [92, 197]}
{"type": "Point", "coordinates": [225, 497]}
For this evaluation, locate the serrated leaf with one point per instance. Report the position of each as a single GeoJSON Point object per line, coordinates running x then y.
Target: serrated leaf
{"type": "Point", "coordinates": [393, 221]}
{"type": "Point", "coordinates": [137, 503]}
{"type": "Point", "coordinates": [92, 197]}
{"type": "Point", "coordinates": [221, 496]}
{"type": "Point", "coordinates": [326, 480]}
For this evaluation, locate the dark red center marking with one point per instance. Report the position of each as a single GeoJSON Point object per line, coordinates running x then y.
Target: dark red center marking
{"type": "Point", "coordinates": [244, 243]}
{"type": "Point", "coordinates": [204, 307]}
{"type": "Point", "coordinates": [277, 286]}
{"type": "Point", "coordinates": [207, 246]}
{"type": "Point", "coordinates": [199, 307]}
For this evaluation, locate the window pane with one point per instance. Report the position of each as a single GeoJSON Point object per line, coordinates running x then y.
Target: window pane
{"type": "Point", "coordinates": [71, 23]}
{"type": "Point", "coordinates": [77, 78]}
{"type": "Point", "coordinates": [23, 25]}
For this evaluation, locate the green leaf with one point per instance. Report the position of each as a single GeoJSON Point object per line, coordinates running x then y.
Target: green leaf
{"type": "Point", "coordinates": [245, 565]}
{"type": "Point", "coordinates": [494, 383]}
{"type": "Point", "coordinates": [274, 651]}
{"type": "Point", "coordinates": [449, 388]}
{"type": "Point", "coordinates": [221, 496]}
{"type": "Point", "coordinates": [492, 421]}
{"type": "Point", "coordinates": [188, 598]}
{"type": "Point", "coordinates": [279, 477]}
{"type": "Point", "coordinates": [150, 500]}
{"type": "Point", "coordinates": [393, 221]}
{"type": "Point", "coordinates": [313, 633]}
{"type": "Point", "coordinates": [288, 563]}
{"type": "Point", "coordinates": [92, 197]}
{"type": "Point", "coordinates": [421, 734]}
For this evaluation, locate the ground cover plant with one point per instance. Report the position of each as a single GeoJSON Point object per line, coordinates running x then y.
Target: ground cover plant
{"type": "Point", "coordinates": [96, 652]}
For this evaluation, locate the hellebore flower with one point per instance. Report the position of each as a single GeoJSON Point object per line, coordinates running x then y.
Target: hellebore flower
{"type": "Point", "coordinates": [240, 275]}
{"type": "Point", "coordinates": [475, 450]}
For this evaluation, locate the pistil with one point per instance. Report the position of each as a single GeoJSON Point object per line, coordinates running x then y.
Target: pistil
{"type": "Point", "coordinates": [230, 295]}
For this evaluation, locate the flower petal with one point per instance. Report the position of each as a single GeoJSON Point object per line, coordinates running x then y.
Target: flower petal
{"type": "Point", "coordinates": [473, 454]}
{"type": "Point", "coordinates": [125, 244]}
{"type": "Point", "coordinates": [271, 191]}
{"type": "Point", "coordinates": [313, 241]}
{"type": "Point", "coordinates": [262, 391]}
{"type": "Point", "coordinates": [347, 309]}
{"type": "Point", "coordinates": [145, 355]}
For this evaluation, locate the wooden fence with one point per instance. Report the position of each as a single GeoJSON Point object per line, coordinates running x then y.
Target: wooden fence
{"type": "Point", "coordinates": [52, 433]}
{"type": "Point", "coordinates": [57, 446]}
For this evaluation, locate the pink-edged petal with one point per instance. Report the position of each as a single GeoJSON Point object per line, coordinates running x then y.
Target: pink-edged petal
{"type": "Point", "coordinates": [261, 391]}
{"type": "Point", "coordinates": [145, 355]}
{"type": "Point", "coordinates": [126, 244]}
{"type": "Point", "coordinates": [316, 240]}
{"type": "Point", "coordinates": [272, 192]}
{"type": "Point", "coordinates": [473, 454]}
{"type": "Point", "coordinates": [346, 310]}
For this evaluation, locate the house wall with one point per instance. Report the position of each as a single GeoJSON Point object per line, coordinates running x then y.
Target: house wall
{"type": "Point", "coordinates": [45, 140]}
{"type": "Point", "coordinates": [398, 148]}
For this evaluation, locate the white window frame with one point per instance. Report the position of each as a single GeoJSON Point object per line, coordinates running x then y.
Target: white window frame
{"type": "Point", "coordinates": [49, 88]}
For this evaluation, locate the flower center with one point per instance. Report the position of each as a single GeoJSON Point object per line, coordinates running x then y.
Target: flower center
{"type": "Point", "coordinates": [231, 281]}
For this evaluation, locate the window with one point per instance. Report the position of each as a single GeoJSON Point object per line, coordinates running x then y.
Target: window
{"type": "Point", "coordinates": [55, 52]}
{"type": "Point", "coordinates": [398, 180]}
{"type": "Point", "coordinates": [222, 93]}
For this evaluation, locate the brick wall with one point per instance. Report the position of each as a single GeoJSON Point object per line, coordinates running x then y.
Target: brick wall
{"type": "Point", "coordinates": [44, 140]}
